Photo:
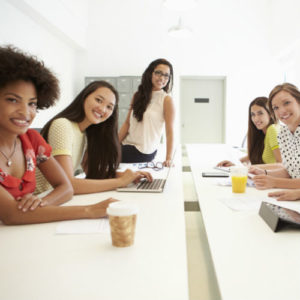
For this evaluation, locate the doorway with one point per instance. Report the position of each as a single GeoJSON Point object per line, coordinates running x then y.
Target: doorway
{"type": "Point", "coordinates": [202, 104]}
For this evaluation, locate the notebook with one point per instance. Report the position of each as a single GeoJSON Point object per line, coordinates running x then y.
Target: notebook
{"type": "Point", "coordinates": [144, 186]}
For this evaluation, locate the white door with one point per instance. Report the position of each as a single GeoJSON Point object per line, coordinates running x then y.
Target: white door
{"type": "Point", "coordinates": [202, 109]}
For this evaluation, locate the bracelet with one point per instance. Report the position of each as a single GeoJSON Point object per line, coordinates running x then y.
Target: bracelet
{"type": "Point", "coordinates": [266, 172]}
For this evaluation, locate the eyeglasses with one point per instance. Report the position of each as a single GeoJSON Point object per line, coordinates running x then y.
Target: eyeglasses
{"type": "Point", "coordinates": [161, 74]}
{"type": "Point", "coordinates": [155, 166]}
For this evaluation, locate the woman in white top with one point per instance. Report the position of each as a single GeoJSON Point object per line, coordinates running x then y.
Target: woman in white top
{"type": "Point", "coordinates": [151, 109]}
{"type": "Point", "coordinates": [284, 103]}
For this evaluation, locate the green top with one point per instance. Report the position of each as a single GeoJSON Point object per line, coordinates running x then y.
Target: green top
{"type": "Point", "coordinates": [271, 143]}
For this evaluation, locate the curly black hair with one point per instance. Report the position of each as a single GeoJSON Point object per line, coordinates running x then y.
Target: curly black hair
{"type": "Point", "coordinates": [18, 65]}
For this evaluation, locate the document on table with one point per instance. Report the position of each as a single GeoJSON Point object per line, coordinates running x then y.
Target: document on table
{"type": "Point", "coordinates": [242, 202]}
{"type": "Point", "coordinates": [83, 226]}
{"type": "Point", "coordinates": [227, 182]}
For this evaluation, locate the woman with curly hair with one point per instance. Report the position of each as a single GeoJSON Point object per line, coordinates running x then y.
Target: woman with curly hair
{"type": "Point", "coordinates": [25, 86]}
{"type": "Point", "coordinates": [151, 109]}
{"type": "Point", "coordinates": [85, 135]}
{"type": "Point", "coordinates": [262, 136]}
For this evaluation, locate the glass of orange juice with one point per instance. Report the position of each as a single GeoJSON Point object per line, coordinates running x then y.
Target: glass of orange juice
{"type": "Point", "coordinates": [239, 176]}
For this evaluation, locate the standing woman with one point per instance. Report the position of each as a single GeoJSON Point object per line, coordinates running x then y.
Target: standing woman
{"type": "Point", "coordinates": [284, 103]}
{"type": "Point", "coordinates": [85, 134]}
{"type": "Point", "coordinates": [262, 136]}
{"type": "Point", "coordinates": [25, 86]}
{"type": "Point", "coordinates": [151, 109]}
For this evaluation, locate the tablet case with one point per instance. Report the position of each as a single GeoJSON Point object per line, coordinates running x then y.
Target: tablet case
{"type": "Point", "coordinates": [278, 217]}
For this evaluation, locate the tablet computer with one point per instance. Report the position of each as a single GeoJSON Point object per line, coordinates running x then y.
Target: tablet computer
{"type": "Point", "coordinates": [214, 174]}
{"type": "Point", "coordinates": [278, 217]}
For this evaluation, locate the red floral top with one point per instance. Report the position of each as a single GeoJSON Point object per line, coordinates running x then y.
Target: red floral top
{"type": "Point", "coordinates": [36, 150]}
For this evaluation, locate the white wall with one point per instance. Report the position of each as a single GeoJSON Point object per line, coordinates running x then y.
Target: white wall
{"type": "Point", "coordinates": [231, 39]}
{"type": "Point", "coordinates": [283, 26]}
{"type": "Point", "coordinates": [284, 37]}
{"type": "Point", "coordinates": [255, 44]}
{"type": "Point", "coordinates": [24, 26]}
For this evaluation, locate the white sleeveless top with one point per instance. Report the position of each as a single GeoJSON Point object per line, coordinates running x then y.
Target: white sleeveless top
{"type": "Point", "coordinates": [146, 135]}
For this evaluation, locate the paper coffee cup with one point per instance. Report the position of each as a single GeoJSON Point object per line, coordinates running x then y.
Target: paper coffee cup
{"type": "Point", "coordinates": [122, 221]}
{"type": "Point", "coordinates": [239, 176]}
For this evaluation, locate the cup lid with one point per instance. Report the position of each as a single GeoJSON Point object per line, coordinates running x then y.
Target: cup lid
{"type": "Point", "coordinates": [121, 208]}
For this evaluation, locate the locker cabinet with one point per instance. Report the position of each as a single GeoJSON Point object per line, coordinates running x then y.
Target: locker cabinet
{"type": "Point", "coordinates": [126, 87]}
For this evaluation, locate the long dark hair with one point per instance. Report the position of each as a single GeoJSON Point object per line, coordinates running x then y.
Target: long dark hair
{"type": "Point", "coordinates": [103, 148]}
{"type": "Point", "coordinates": [256, 137]}
{"type": "Point", "coordinates": [142, 97]}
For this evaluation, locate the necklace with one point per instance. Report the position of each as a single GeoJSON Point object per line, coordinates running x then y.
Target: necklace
{"type": "Point", "coordinates": [9, 162]}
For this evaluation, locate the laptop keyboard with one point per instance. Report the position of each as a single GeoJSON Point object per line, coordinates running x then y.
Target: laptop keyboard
{"type": "Point", "coordinates": [154, 185]}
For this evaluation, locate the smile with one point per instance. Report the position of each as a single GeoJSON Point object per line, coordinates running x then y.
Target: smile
{"type": "Point", "coordinates": [21, 122]}
{"type": "Point", "coordinates": [285, 117]}
{"type": "Point", "coordinates": [98, 115]}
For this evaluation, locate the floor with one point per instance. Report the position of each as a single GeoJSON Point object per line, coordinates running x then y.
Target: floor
{"type": "Point", "coordinates": [202, 280]}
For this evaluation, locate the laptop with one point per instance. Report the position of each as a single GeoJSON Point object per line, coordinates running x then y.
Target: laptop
{"type": "Point", "coordinates": [144, 186]}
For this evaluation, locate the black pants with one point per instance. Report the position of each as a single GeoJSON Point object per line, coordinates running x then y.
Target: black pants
{"type": "Point", "coordinates": [132, 155]}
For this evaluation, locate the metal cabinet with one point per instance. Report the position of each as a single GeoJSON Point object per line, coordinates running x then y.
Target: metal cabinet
{"type": "Point", "coordinates": [122, 115]}
{"type": "Point", "coordinates": [111, 80]}
{"type": "Point", "coordinates": [136, 81]}
{"type": "Point", "coordinates": [125, 99]}
{"type": "Point", "coordinates": [126, 87]}
{"type": "Point", "coordinates": [124, 84]}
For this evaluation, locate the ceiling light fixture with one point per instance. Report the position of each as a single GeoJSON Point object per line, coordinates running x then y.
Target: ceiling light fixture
{"type": "Point", "coordinates": [180, 31]}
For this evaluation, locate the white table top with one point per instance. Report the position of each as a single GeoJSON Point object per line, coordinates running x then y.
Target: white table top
{"type": "Point", "coordinates": [251, 261]}
{"type": "Point", "coordinates": [38, 264]}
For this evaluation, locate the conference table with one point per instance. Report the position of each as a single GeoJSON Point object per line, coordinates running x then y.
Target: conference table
{"type": "Point", "coordinates": [38, 262]}
{"type": "Point", "coordinates": [250, 260]}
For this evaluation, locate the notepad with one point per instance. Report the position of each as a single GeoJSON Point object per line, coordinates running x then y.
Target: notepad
{"type": "Point", "coordinates": [83, 226]}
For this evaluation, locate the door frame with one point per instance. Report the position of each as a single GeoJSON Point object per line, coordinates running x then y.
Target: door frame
{"type": "Point", "coordinates": [224, 78]}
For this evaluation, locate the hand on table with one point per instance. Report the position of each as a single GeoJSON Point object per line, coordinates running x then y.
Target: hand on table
{"type": "Point", "coordinates": [134, 176]}
{"type": "Point", "coordinates": [256, 171]}
{"type": "Point", "coordinates": [168, 163]}
{"type": "Point", "coordinates": [225, 163]}
{"type": "Point", "coordinates": [98, 210]}
{"type": "Point", "coordinates": [263, 182]}
{"type": "Point", "coordinates": [29, 202]}
{"type": "Point", "coordinates": [286, 195]}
